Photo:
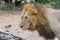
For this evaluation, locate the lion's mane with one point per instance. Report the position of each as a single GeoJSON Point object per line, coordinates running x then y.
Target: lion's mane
{"type": "Point", "coordinates": [39, 22]}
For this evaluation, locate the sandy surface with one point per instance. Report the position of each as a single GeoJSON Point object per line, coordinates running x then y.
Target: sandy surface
{"type": "Point", "coordinates": [13, 19]}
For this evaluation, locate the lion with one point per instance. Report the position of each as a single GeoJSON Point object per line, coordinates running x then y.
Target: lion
{"type": "Point", "coordinates": [33, 19]}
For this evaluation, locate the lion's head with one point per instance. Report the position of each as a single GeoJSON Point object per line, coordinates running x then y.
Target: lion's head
{"type": "Point", "coordinates": [32, 16]}
{"type": "Point", "coordinates": [33, 19]}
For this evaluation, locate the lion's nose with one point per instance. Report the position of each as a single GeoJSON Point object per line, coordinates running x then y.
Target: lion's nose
{"type": "Point", "coordinates": [26, 17]}
{"type": "Point", "coordinates": [21, 26]}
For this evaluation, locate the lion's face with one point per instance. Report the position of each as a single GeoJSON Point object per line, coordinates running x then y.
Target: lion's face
{"type": "Point", "coordinates": [28, 17]}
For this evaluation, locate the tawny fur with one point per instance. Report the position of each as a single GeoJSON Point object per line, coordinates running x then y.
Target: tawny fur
{"type": "Point", "coordinates": [36, 21]}
{"type": "Point", "coordinates": [53, 17]}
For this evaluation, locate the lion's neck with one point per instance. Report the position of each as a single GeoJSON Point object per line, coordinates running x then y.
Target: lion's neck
{"type": "Point", "coordinates": [50, 15]}
{"type": "Point", "coordinates": [48, 11]}
{"type": "Point", "coordinates": [54, 23]}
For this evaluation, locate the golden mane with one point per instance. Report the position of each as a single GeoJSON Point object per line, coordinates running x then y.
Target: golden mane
{"type": "Point", "coordinates": [37, 21]}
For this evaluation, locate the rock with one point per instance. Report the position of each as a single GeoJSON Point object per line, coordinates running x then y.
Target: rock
{"type": "Point", "coordinates": [8, 26]}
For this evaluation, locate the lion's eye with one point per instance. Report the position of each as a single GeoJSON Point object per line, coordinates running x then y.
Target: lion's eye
{"type": "Point", "coordinates": [33, 14]}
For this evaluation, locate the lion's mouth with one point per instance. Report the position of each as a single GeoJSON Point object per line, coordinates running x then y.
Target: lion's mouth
{"type": "Point", "coordinates": [24, 26]}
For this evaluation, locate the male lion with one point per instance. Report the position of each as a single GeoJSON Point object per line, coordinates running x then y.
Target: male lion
{"type": "Point", "coordinates": [33, 19]}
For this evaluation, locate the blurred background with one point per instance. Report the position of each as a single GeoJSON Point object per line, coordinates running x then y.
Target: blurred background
{"type": "Point", "coordinates": [18, 4]}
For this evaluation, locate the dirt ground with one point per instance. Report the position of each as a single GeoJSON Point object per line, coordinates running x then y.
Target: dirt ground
{"type": "Point", "coordinates": [9, 18]}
